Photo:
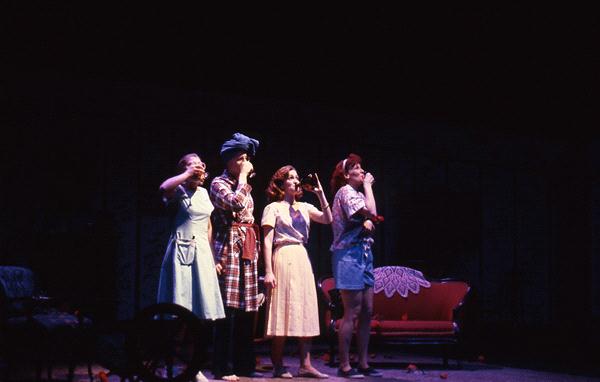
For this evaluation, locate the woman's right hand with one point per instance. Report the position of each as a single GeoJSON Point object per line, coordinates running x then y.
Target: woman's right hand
{"type": "Point", "coordinates": [270, 281]}
{"type": "Point", "coordinates": [194, 170]}
{"type": "Point", "coordinates": [369, 179]}
{"type": "Point", "coordinates": [246, 168]}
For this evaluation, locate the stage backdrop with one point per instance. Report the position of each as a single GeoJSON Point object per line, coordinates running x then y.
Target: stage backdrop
{"type": "Point", "coordinates": [508, 212]}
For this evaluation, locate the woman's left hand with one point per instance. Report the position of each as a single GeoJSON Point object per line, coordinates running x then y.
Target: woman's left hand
{"type": "Point", "coordinates": [318, 188]}
{"type": "Point", "coordinates": [369, 226]}
{"type": "Point", "coordinates": [270, 281]}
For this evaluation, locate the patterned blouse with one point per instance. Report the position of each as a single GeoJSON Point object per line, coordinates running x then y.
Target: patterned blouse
{"type": "Point", "coordinates": [234, 204]}
{"type": "Point", "coordinates": [347, 224]}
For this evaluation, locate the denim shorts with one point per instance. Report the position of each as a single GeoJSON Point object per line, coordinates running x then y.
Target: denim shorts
{"type": "Point", "coordinates": [353, 267]}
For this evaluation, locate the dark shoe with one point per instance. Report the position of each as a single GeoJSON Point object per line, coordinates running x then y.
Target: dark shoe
{"type": "Point", "coordinates": [370, 372]}
{"type": "Point", "coordinates": [252, 374]}
{"type": "Point", "coordinates": [352, 373]}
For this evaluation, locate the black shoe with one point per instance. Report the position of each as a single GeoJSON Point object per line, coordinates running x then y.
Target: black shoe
{"type": "Point", "coordinates": [370, 372]}
{"type": "Point", "coordinates": [252, 374]}
{"type": "Point", "coordinates": [352, 373]}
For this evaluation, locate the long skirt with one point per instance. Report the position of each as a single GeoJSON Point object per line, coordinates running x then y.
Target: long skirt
{"type": "Point", "coordinates": [292, 308]}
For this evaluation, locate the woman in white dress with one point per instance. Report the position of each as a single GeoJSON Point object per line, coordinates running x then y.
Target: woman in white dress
{"type": "Point", "coordinates": [188, 276]}
{"type": "Point", "coordinates": [292, 309]}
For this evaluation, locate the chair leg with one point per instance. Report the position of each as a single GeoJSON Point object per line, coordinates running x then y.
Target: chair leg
{"type": "Point", "coordinates": [332, 339]}
{"type": "Point", "coordinates": [38, 371]}
{"type": "Point", "coordinates": [89, 369]}
{"type": "Point", "coordinates": [71, 374]}
{"type": "Point", "coordinates": [445, 355]}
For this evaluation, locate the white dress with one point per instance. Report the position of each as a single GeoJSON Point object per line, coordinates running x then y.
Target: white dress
{"type": "Point", "coordinates": [187, 276]}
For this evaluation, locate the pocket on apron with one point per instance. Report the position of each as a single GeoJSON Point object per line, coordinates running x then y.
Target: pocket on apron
{"type": "Point", "coordinates": [185, 251]}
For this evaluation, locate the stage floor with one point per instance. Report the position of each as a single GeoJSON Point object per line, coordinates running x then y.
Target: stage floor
{"type": "Point", "coordinates": [392, 364]}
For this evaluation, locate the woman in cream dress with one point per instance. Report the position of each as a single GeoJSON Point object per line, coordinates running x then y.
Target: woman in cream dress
{"type": "Point", "coordinates": [292, 309]}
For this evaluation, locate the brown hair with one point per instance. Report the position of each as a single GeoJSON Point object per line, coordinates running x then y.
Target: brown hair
{"type": "Point", "coordinates": [337, 177]}
{"type": "Point", "coordinates": [275, 191]}
{"type": "Point", "coordinates": [182, 164]}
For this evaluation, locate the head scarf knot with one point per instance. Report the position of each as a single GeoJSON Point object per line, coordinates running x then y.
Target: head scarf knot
{"type": "Point", "coordinates": [238, 143]}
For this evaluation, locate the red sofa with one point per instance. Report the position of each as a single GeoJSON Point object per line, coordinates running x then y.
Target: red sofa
{"type": "Point", "coordinates": [431, 316]}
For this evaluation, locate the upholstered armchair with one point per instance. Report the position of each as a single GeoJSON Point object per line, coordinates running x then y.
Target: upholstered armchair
{"type": "Point", "coordinates": [33, 332]}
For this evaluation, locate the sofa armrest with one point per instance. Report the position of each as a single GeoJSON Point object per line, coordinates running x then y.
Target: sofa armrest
{"type": "Point", "coordinates": [460, 311]}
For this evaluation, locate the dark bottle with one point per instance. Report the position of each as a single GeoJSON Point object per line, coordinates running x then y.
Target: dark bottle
{"type": "Point", "coordinates": [309, 182]}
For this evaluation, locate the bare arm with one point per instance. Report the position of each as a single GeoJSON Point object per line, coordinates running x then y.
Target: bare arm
{"type": "Point", "coordinates": [268, 254]}
{"type": "Point", "coordinates": [324, 216]}
{"type": "Point", "coordinates": [167, 188]}
{"type": "Point", "coordinates": [218, 266]}
{"type": "Point", "coordinates": [369, 211]}
{"type": "Point", "coordinates": [369, 197]}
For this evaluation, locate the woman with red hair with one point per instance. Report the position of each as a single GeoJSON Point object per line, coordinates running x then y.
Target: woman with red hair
{"type": "Point", "coordinates": [292, 309]}
{"type": "Point", "coordinates": [354, 214]}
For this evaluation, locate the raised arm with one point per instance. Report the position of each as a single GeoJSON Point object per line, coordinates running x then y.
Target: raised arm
{"type": "Point", "coordinates": [370, 204]}
{"type": "Point", "coordinates": [225, 198]}
{"type": "Point", "coordinates": [324, 215]}
{"type": "Point", "coordinates": [168, 187]}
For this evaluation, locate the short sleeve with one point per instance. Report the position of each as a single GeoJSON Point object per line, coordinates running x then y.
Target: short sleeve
{"type": "Point", "coordinates": [269, 216]}
{"type": "Point", "coordinates": [352, 201]}
{"type": "Point", "coordinates": [177, 194]}
{"type": "Point", "coordinates": [310, 209]}
{"type": "Point", "coordinates": [206, 197]}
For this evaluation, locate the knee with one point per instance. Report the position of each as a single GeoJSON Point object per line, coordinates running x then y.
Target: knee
{"type": "Point", "coordinates": [366, 312]}
{"type": "Point", "coordinates": [352, 314]}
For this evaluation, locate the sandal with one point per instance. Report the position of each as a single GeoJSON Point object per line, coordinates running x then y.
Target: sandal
{"type": "Point", "coordinates": [200, 377]}
{"type": "Point", "coordinates": [311, 373]}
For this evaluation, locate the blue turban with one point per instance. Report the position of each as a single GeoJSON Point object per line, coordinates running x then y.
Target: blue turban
{"type": "Point", "coordinates": [238, 143]}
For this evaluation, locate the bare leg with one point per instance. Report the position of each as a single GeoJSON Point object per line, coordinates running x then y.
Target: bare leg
{"type": "Point", "coordinates": [352, 300]}
{"type": "Point", "coordinates": [304, 350]}
{"type": "Point", "coordinates": [277, 344]}
{"type": "Point", "coordinates": [306, 367]}
{"type": "Point", "coordinates": [364, 327]}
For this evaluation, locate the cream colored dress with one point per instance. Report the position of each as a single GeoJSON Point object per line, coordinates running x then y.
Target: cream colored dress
{"type": "Point", "coordinates": [292, 308]}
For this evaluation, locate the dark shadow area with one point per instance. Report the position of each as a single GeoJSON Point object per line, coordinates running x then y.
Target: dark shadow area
{"type": "Point", "coordinates": [478, 125]}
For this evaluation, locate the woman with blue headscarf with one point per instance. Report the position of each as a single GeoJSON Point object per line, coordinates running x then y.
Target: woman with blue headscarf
{"type": "Point", "coordinates": [236, 247]}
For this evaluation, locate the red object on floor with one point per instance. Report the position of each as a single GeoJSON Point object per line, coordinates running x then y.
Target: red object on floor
{"type": "Point", "coordinates": [102, 377]}
{"type": "Point", "coordinates": [444, 375]}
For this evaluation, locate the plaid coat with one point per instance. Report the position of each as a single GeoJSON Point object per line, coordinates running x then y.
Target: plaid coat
{"type": "Point", "coordinates": [234, 204]}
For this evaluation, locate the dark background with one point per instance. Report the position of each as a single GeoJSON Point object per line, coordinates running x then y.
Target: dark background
{"type": "Point", "coordinates": [480, 126]}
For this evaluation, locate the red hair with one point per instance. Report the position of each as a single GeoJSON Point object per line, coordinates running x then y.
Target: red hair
{"type": "Point", "coordinates": [337, 177]}
{"type": "Point", "coordinates": [275, 191]}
